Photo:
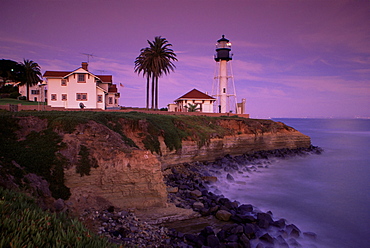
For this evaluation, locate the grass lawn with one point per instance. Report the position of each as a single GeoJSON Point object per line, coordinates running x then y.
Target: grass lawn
{"type": "Point", "coordinates": [4, 101]}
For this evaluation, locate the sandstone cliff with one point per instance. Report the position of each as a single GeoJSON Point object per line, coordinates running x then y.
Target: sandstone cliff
{"type": "Point", "coordinates": [125, 154]}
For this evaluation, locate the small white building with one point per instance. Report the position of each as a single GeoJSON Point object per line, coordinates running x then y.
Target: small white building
{"type": "Point", "coordinates": [81, 89]}
{"type": "Point", "coordinates": [204, 102]}
{"type": "Point", "coordinates": [36, 93]}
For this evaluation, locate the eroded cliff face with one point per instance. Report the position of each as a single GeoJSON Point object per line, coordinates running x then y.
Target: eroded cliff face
{"type": "Point", "coordinates": [131, 177]}
{"type": "Point", "coordinates": [244, 140]}
{"type": "Point", "coordinates": [125, 177]}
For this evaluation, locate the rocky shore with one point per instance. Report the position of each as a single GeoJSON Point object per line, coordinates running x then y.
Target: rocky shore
{"type": "Point", "coordinates": [216, 222]}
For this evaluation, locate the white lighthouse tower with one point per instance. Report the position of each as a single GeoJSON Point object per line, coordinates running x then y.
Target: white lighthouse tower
{"type": "Point", "coordinates": [223, 85]}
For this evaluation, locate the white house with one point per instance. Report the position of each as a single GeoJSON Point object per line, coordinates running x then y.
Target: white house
{"type": "Point", "coordinates": [204, 102]}
{"type": "Point", "coordinates": [80, 88]}
{"type": "Point", "coordinates": [36, 93]}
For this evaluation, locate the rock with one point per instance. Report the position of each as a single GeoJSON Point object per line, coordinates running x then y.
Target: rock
{"type": "Point", "coordinates": [59, 205]}
{"type": "Point", "coordinates": [260, 245]}
{"type": "Point", "coordinates": [250, 230]}
{"type": "Point", "coordinates": [232, 238]}
{"type": "Point", "coordinates": [243, 218]}
{"type": "Point", "coordinates": [223, 215]}
{"type": "Point", "coordinates": [310, 235]}
{"type": "Point", "coordinates": [245, 208]}
{"type": "Point", "coordinates": [279, 223]}
{"type": "Point", "coordinates": [267, 238]}
{"type": "Point", "coordinates": [244, 241]}
{"type": "Point", "coordinates": [209, 179]}
{"type": "Point", "coordinates": [196, 193]}
{"type": "Point", "coordinates": [293, 230]}
{"type": "Point", "coordinates": [229, 177]}
{"type": "Point", "coordinates": [281, 242]}
{"type": "Point", "coordinates": [294, 243]}
{"type": "Point", "coordinates": [198, 205]}
{"type": "Point", "coordinates": [232, 245]}
{"type": "Point", "coordinates": [264, 220]}
{"type": "Point", "coordinates": [213, 241]}
{"type": "Point", "coordinates": [172, 189]}
{"type": "Point", "coordinates": [207, 231]}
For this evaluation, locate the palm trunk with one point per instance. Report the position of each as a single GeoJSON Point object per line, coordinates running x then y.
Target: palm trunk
{"type": "Point", "coordinates": [147, 91]}
{"type": "Point", "coordinates": [156, 93]}
{"type": "Point", "coordinates": [153, 83]}
{"type": "Point", "coordinates": [28, 89]}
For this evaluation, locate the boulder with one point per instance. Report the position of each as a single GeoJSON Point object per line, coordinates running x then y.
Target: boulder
{"type": "Point", "coordinates": [223, 215]}
{"type": "Point", "coordinates": [229, 177]}
{"type": "Point", "coordinates": [310, 235]}
{"type": "Point", "coordinates": [172, 189]}
{"type": "Point", "coordinates": [267, 238]}
{"type": "Point", "coordinates": [196, 193]}
{"type": "Point", "coordinates": [244, 241]}
{"type": "Point", "coordinates": [198, 205]}
{"type": "Point", "coordinates": [245, 208]}
{"type": "Point", "coordinates": [293, 230]}
{"type": "Point", "coordinates": [213, 241]}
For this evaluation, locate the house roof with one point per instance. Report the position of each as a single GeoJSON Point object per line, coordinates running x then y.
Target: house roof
{"type": "Point", "coordinates": [105, 78]}
{"type": "Point", "coordinates": [56, 73]}
{"type": "Point", "coordinates": [61, 74]}
{"type": "Point", "coordinates": [112, 88]}
{"type": "Point", "coordinates": [195, 94]}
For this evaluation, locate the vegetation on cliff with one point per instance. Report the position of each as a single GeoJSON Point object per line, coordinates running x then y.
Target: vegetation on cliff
{"type": "Point", "coordinates": [37, 150]}
{"type": "Point", "coordinates": [24, 224]}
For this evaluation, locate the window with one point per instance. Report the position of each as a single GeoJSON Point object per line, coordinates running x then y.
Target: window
{"type": "Point", "coordinates": [81, 96]}
{"type": "Point", "coordinates": [100, 98]}
{"type": "Point", "coordinates": [64, 82]}
{"type": "Point", "coordinates": [110, 100]}
{"type": "Point", "coordinates": [53, 97]}
{"type": "Point", "coordinates": [35, 92]}
{"type": "Point", "coordinates": [64, 97]}
{"type": "Point", "coordinates": [81, 78]}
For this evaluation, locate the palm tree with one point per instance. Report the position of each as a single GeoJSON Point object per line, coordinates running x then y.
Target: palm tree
{"type": "Point", "coordinates": [154, 61]}
{"type": "Point", "coordinates": [142, 66]}
{"type": "Point", "coordinates": [30, 74]}
{"type": "Point", "coordinates": [192, 107]}
{"type": "Point", "coordinates": [161, 57]}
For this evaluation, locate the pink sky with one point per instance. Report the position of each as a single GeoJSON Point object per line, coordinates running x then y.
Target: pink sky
{"type": "Point", "coordinates": [291, 58]}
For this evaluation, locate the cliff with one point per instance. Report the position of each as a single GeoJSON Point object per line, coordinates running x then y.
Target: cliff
{"type": "Point", "coordinates": [102, 159]}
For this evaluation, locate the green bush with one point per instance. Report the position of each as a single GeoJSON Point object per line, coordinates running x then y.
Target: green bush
{"type": "Point", "coordinates": [85, 162]}
{"type": "Point", "coordinates": [24, 224]}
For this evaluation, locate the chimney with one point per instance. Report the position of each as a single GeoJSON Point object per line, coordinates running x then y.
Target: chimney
{"type": "Point", "coordinates": [84, 65]}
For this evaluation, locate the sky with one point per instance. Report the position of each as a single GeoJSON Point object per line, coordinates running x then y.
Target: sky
{"type": "Point", "coordinates": [292, 58]}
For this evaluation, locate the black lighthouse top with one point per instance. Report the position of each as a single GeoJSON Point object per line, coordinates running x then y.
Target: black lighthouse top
{"type": "Point", "coordinates": [223, 48]}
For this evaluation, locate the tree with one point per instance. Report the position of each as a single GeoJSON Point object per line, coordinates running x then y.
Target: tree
{"type": "Point", "coordinates": [30, 74]}
{"type": "Point", "coordinates": [142, 66]}
{"type": "Point", "coordinates": [9, 71]}
{"type": "Point", "coordinates": [154, 61]}
{"type": "Point", "coordinates": [192, 107]}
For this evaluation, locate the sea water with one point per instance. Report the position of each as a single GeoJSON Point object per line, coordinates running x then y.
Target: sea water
{"type": "Point", "coordinates": [328, 194]}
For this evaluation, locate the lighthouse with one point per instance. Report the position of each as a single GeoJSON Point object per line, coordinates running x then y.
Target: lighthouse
{"type": "Point", "coordinates": [223, 86]}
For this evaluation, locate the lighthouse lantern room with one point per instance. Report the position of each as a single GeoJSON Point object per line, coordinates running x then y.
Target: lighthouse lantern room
{"type": "Point", "coordinates": [223, 86]}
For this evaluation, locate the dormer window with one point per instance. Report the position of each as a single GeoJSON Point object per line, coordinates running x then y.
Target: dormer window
{"type": "Point", "coordinates": [81, 78]}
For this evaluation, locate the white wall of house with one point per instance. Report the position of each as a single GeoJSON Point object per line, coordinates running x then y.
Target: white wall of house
{"type": "Point", "coordinates": [100, 98]}
{"type": "Point", "coordinates": [36, 92]}
{"type": "Point", "coordinates": [71, 91]}
{"type": "Point", "coordinates": [206, 106]}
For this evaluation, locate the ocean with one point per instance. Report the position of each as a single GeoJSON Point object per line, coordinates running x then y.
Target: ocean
{"type": "Point", "coordinates": [328, 194]}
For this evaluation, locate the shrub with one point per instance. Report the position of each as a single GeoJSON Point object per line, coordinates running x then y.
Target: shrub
{"type": "Point", "coordinates": [24, 224]}
{"type": "Point", "coordinates": [85, 162]}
